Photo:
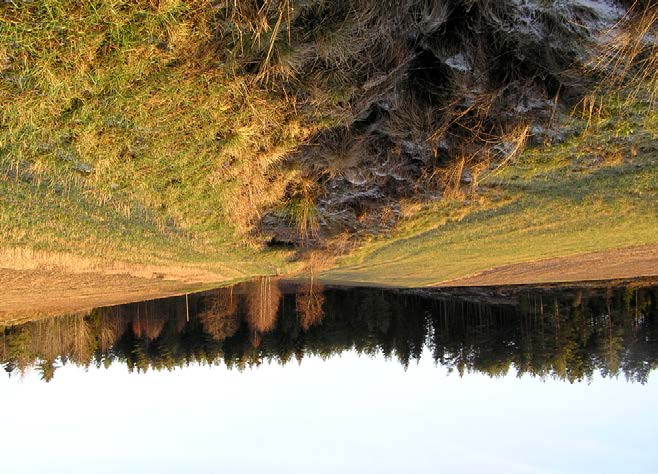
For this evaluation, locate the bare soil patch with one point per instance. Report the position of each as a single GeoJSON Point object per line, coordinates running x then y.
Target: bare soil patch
{"type": "Point", "coordinates": [35, 284]}
{"type": "Point", "coordinates": [29, 294]}
{"type": "Point", "coordinates": [616, 264]}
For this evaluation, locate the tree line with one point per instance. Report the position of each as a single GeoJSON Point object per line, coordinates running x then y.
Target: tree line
{"type": "Point", "coordinates": [567, 334]}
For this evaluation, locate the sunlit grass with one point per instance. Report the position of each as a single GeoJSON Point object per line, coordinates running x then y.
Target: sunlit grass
{"type": "Point", "coordinates": [596, 191]}
{"type": "Point", "coordinates": [118, 131]}
{"type": "Point", "coordinates": [129, 131]}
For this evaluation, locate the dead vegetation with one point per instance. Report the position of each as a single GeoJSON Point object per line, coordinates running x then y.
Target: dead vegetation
{"type": "Point", "coordinates": [628, 53]}
{"type": "Point", "coordinates": [220, 318]}
{"type": "Point", "coordinates": [424, 99]}
{"type": "Point", "coordinates": [626, 60]}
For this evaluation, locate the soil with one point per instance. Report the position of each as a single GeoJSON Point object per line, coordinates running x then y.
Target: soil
{"type": "Point", "coordinates": [29, 294]}
{"type": "Point", "coordinates": [617, 264]}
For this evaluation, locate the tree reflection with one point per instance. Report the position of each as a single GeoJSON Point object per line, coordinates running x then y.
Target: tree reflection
{"type": "Point", "coordinates": [309, 304]}
{"type": "Point", "coordinates": [220, 317]}
{"type": "Point", "coordinates": [568, 334]}
{"type": "Point", "coordinates": [263, 297]}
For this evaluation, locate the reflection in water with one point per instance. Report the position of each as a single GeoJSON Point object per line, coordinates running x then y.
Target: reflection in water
{"type": "Point", "coordinates": [263, 300]}
{"type": "Point", "coordinates": [568, 334]}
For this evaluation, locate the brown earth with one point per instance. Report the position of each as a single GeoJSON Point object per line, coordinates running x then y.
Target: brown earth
{"type": "Point", "coordinates": [37, 293]}
{"type": "Point", "coordinates": [616, 264]}
{"type": "Point", "coordinates": [39, 290]}
{"type": "Point", "coordinates": [37, 284]}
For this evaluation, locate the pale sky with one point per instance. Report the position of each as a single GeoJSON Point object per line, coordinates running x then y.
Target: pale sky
{"type": "Point", "coordinates": [348, 414]}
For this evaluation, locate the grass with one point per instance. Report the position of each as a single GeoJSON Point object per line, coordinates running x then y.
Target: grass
{"type": "Point", "coordinates": [596, 191]}
{"type": "Point", "coordinates": [161, 132]}
{"type": "Point", "coordinates": [120, 137]}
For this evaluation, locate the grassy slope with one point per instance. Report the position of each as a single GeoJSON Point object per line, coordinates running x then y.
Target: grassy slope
{"type": "Point", "coordinates": [588, 194]}
{"type": "Point", "coordinates": [121, 138]}
{"type": "Point", "coordinates": [116, 133]}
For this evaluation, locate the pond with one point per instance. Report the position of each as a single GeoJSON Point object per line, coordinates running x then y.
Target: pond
{"type": "Point", "coordinates": [269, 376]}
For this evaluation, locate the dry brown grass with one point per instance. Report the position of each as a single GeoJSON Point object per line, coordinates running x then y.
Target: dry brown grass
{"type": "Point", "coordinates": [201, 118]}
{"type": "Point", "coordinates": [628, 56]}
{"type": "Point", "coordinates": [463, 176]}
{"type": "Point", "coordinates": [26, 259]}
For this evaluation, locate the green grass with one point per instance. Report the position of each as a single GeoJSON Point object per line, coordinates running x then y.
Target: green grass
{"type": "Point", "coordinates": [124, 134]}
{"type": "Point", "coordinates": [588, 194]}
{"type": "Point", "coordinates": [121, 137]}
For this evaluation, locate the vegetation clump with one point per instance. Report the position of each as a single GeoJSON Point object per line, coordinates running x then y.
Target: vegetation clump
{"type": "Point", "coordinates": [425, 95]}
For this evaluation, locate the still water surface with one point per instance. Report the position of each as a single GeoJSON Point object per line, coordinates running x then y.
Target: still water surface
{"type": "Point", "coordinates": [265, 377]}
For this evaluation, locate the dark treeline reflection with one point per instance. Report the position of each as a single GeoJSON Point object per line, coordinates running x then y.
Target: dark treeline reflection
{"type": "Point", "coordinates": [568, 334]}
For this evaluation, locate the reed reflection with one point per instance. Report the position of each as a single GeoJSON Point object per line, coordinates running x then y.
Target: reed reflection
{"type": "Point", "coordinates": [567, 334]}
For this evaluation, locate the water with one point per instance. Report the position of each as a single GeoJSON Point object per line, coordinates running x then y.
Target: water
{"type": "Point", "coordinates": [265, 377]}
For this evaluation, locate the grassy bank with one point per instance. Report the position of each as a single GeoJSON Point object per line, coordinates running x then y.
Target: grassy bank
{"type": "Point", "coordinates": [596, 191]}
{"type": "Point", "coordinates": [194, 133]}
{"type": "Point", "coordinates": [120, 137]}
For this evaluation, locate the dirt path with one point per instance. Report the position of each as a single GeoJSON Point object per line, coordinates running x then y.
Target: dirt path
{"type": "Point", "coordinates": [27, 294]}
{"type": "Point", "coordinates": [37, 283]}
{"type": "Point", "coordinates": [616, 264]}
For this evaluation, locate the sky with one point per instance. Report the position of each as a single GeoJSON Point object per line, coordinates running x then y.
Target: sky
{"type": "Point", "coordinates": [348, 414]}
